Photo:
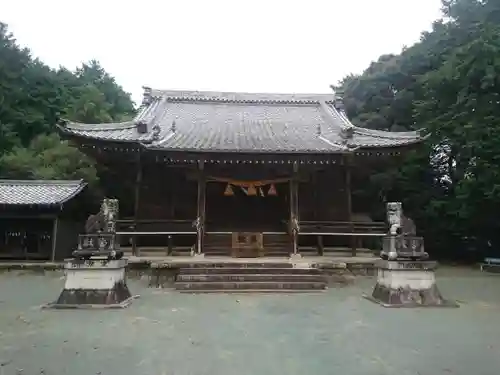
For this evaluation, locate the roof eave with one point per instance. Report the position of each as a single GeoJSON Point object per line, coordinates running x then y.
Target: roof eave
{"type": "Point", "coordinates": [69, 133]}
{"type": "Point", "coordinates": [77, 191]}
{"type": "Point", "coordinates": [55, 206]}
{"type": "Point", "coordinates": [248, 151]}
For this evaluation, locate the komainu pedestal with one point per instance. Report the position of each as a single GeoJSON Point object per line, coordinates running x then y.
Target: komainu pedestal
{"type": "Point", "coordinates": [98, 282]}
{"type": "Point", "coordinates": [96, 276]}
{"type": "Point", "coordinates": [404, 283]}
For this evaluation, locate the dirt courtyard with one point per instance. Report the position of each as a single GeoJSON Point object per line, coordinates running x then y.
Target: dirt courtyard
{"type": "Point", "coordinates": [335, 332]}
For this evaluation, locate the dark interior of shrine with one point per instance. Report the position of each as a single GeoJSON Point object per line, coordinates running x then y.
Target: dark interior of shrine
{"type": "Point", "coordinates": [20, 237]}
{"type": "Point", "coordinates": [234, 208]}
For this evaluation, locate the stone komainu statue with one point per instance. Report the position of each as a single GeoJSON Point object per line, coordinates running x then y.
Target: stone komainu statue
{"type": "Point", "coordinates": [105, 219]}
{"type": "Point", "coordinates": [399, 224]}
{"type": "Point", "coordinates": [401, 241]}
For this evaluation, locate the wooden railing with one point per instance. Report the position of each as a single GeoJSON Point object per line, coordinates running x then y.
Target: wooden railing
{"type": "Point", "coordinates": [307, 227]}
{"type": "Point", "coordinates": [154, 227]}
{"type": "Point", "coordinates": [355, 229]}
{"type": "Point", "coordinates": [343, 228]}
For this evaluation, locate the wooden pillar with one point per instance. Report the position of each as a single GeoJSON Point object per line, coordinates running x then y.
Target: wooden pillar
{"type": "Point", "coordinates": [315, 194]}
{"type": "Point", "coordinates": [200, 219]}
{"type": "Point", "coordinates": [173, 194]}
{"type": "Point", "coordinates": [54, 239]}
{"type": "Point", "coordinates": [137, 197]}
{"type": "Point", "coordinates": [321, 248]}
{"type": "Point", "coordinates": [170, 245]}
{"type": "Point", "coordinates": [294, 208]}
{"type": "Point", "coordinates": [316, 202]}
{"type": "Point", "coordinates": [348, 192]}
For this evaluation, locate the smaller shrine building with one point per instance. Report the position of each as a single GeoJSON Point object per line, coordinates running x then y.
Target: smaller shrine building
{"type": "Point", "coordinates": [40, 220]}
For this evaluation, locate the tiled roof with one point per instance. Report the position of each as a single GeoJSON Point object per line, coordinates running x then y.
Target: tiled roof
{"type": "Point", "coordinates": [123, 131]}
{"type": "Point", "coordinates": [243, 122]}
{"type": "Point", "coordinates": [38, 192]}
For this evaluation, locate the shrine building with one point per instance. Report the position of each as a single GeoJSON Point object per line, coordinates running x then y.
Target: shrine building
{"type": "Point", "coordinates": [221, 173]}
{"type": "Point", "coordinates": [40, 220]}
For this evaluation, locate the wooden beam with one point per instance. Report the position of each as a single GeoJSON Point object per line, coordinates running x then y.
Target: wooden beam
{"type": "Point", "coordinates": [347, 170]}
{"type": "Point", "coordinates": [137, 197]}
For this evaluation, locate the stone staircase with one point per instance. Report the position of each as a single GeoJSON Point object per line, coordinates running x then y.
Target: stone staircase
{"type": "Point", "coordinates": [248, 277]}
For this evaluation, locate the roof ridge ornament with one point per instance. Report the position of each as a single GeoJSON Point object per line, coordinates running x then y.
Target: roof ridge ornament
{"type": "Point", "coordinates": [62, 121]}
{"type": "Point", "coordinates": [347, 133]}
{"type": "Point", "coordinates": [141, 126]}
{"type": "Point", "coordinates": [156, 132]}
{"type": "Point", "coordinates": [338, 100]}
{"type": "Point", "coordinates": [338, 103]}
{"type": "Point", "coordinates": [147, 96]}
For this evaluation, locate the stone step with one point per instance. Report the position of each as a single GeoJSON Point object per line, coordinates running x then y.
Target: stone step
{"type": "Point", "coordinates": [181, 253]}
{"type": "Point", "coordinates": [250, 270]}
{"type": "Point", "coordinates": [238, 265]}
{"type": "Point", "coordinates": [249, 255]}
{"type": "Point", "coordinates": [216, 248]}
{"type": "Point", "coordinates": [278, 278]}
{"type": "Point", "coordinates": [248, 291]}
{"type": "Point", "coordinates": [255, 285]}
{"type": "Point", "coordinates": [222, 247]}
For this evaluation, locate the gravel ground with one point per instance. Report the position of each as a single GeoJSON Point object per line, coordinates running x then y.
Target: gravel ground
{"type": "Point", "coordinates": [328, 333]}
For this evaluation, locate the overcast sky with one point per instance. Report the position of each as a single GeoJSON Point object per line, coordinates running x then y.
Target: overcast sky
{"type": "Point", "coordinates": [225, 45]}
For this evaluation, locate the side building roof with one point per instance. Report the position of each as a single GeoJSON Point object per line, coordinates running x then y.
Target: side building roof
{"type": "Point", "coordinates": [41, 193]}
{"type": "Point", "coordinates": [206, 121]}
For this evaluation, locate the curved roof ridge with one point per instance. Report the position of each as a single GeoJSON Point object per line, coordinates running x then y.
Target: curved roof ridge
{"type": "Point", "coordinates": [332, 114]}
{"type": "Point", "coordinates": [387, 134]}
{"type": "Point", "coordinates": [102, 126]}
{"type": "Point", "coordinates": [148, 115]}
{"type": "Point", "coordinates": [243, 97]}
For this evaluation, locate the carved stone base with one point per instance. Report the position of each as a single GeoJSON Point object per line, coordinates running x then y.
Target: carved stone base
{"type": "Point", "coordinates": [407, 284]}
{"type": "Point", "coordinates": [295, 256]}
{"type": "Point", "coordinates": [94, 283]}
{"type": "Point", "coordinates": [403, 248]}
{"type": "Point", "coordinates": [195, 254]}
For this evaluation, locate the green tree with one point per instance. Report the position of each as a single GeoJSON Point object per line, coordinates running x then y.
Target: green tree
{"type": "Point", "coordinates": [448, 83]}
{"type": "Point", "coordinates": [29, 99]}
{"type": "Point", "coordinates": [47, 157]}
{"type": "Point", "coordinates": [119, 103]}
{"type": "Point", "coordinates": [461, 110]}
{"type": "Point", "coordinates": [34, 97]}
{"type": "Point", "coordinates": [90, 106]}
